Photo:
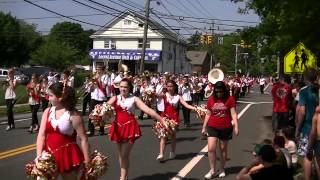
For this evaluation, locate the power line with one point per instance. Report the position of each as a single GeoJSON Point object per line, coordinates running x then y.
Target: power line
{"type": "Point", "coordinates": [7, 2]}
{"type": "Point", "coordinates": [204, 8]}
{"type": "Point", "coordinates": [198, 10]}
{"type": "Point", "coordinates": [170, 13]}
{"type": "Point", "coordinates": [141, 16]}
{"type": "Point", "coordinates": [129, 3]}
{"type": "Point", "coordinates": [182, 9]}
{"type": "Point", "coordinates": [61, 14]}
{"type": "Point", "coordinates": [54, 17]}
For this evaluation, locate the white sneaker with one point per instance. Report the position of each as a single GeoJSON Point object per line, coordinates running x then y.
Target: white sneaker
{"type": "Point", "coordinates": [160, 158]}
{"type": "Point", "coordinates": [210, 175]}
{"type": "Point", "coordinates": [222, 174]}
{"type": "Point", "coordinates": [8, 128]}
{"type": "Point", "coordinates": [172, 155]}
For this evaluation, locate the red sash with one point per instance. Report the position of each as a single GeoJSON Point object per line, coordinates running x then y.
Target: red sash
{"type": "Point", "coordinates": [102, 88]}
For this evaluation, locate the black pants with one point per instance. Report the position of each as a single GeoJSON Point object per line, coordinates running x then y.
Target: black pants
{"type": "Point", "coordinates": [44, 103]}
{"type": "Point", "coordinates": [186, 113]}
{"type": "Point", "coordinates": [34, 112]}
{"type": "Point", "coordinates": [85, 102]}
{"type": "Point", "coordinates": [90, 124]}
{"type": "Point", "coordinates": [142, 113]}
{"type": "Point", "coordinates": [261, 89]}
{"type": "Point", "coordinates": [196, 98]}
{"type": "Point", "coordinates": [10, 104]}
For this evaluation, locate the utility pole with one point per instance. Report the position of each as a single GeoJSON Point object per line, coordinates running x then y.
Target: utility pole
{"type": "Point", "coordinates": [212, 34]}
{"type": "Point", "coordinates": [236, 58]}
{"type": "Point", "coordinates": [145, 34]}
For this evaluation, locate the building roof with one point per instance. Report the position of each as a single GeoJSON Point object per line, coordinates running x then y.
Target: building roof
{"type": "Point", "coordinates": [197, 57]}
{"type": "Point", "coordinates": [153, 25]}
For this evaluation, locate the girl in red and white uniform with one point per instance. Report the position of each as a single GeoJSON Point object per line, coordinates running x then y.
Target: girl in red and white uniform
{"type": "Point", "coordinates": [125, 129]}
{"type": "Point", "coordinates": [171, 102]}
{"type": "Point", "coordinates": [61, 124]}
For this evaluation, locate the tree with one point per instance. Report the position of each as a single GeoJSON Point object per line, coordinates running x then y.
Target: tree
{"type": "Point", "coordinates": [17, 41]}
{"type": "Point", "coordinates": [56, 55]}
{"type": "Point", "coordinates": [71, 34]}
{"type": "Point", "coordinates": [285, 23]}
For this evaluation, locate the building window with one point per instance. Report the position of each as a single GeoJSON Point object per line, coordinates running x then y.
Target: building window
{"type": "Point", "coordinates": [127, 22]}
{"type": "Point", "coordinates": [140, 42]}
{"type": "Point", "coordinates": [109, 44]}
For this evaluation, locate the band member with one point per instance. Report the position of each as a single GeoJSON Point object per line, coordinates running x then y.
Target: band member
{"type": "Point", "coordinates": [86, 87]}
{"type": "Point", "coordinates": [208, 90]}
{"type": "Point", "coordinates": [33, 89]}
{"type": "Point", "coordinates": [98, 95]}
{"type": "Point", "coordinates": [116, 83]}
{"type": "Point", "coordinates": [185, 90]}
{"type": "Point", "coordinates": [146, 86]}
{"type": "Point", "coordinates": [44, 94]}
{"type": "Point", "coordinates": [10, 97]}
{"type": "Point", "coordinates": [161, 89]}
{"type": "Point", "coordinates": [68, 79]}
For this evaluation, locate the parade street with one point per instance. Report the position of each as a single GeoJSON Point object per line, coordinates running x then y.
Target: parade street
{"type": "Point", "coordinates": [191, 162]}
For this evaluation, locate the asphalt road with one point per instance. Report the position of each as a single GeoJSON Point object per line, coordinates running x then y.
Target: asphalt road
{"type": "Point", "coordinates": [191, 162]}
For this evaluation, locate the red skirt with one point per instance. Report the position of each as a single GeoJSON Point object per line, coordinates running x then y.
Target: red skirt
{"type": "Point", "coordinates": [125, 132]}
{"type": "Point", "coordinates": [66, 152]}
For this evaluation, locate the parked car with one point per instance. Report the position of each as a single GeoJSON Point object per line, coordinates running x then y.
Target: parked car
{"type": "Point", "coordinates": [18, 76]}
{"type": "Point", "coordinates": [39, 70]}
{"type": "Point", "coordinates": [3, 74]}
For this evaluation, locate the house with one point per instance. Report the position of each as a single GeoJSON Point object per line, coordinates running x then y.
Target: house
{"type": "Point", "coordinates": [200, 61]}
{"type": "Point", "coordinates": [121, 40]}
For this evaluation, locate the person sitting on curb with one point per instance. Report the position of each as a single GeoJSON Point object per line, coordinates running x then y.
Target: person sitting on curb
{"type": "Point", "coordinates": [271, 170]}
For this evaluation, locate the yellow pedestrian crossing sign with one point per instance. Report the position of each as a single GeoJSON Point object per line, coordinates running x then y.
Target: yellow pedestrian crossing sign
{"type": "Point", "coordinates": [298, 59]}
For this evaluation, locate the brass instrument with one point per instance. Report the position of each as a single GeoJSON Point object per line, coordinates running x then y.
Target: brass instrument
{"type": "Point", "coordinates": [122, 67]}
{"type": "Point", "coordinates": [215, 75]}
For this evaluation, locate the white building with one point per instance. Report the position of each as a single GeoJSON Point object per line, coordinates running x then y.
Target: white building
{"type": "Point", "coordinates": [121, 39]}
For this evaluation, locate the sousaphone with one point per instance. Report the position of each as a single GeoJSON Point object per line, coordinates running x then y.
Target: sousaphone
{"type": "Point", "coordinates": [214, 76]}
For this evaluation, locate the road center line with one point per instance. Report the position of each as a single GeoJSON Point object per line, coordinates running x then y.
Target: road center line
{"type": "Point", "coordinates": [24, 149]}
{"type": "Point", "coordinates": [188, 167]}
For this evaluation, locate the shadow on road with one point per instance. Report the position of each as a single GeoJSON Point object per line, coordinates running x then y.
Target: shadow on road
{"type": "Point", "coordinates": [168, 175]}
{"type": "Point", "coordinates": [179, 139]}
{"type": "Point", "coordinates": [234, 169]}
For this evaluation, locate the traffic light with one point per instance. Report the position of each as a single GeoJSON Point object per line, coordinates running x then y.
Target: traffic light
{"type": "Point", "coordinates": [203, 39]}
{"type": "Point", "coordinates": [242, 44]}
{"type": "Point", "coordinates": [209, 39]}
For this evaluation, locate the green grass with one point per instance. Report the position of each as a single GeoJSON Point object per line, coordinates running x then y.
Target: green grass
{"type": "Point", "coordinates": [21, 93]}
{"type": "Point", "coordinates": [16, 109]}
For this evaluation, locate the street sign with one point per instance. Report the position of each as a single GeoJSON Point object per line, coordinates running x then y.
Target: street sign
{"type": "Point", "coordinates": [298, 59]}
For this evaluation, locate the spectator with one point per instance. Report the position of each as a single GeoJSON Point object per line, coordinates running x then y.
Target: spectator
{"type": "Point", "coordinates": [266, 156]}
{"type": "Point", "coordinates": [33, 89]}
{"type": "Point", "coordinates": [10, 97]}
{"type": "Point", "coordinates": [308, 100]}
{"type": "Point", "coordinates": [219, 123]}
{"type": "Point", "coordinates": [290, 145]}
{"type": "Point", "coordinates": [281, 95]}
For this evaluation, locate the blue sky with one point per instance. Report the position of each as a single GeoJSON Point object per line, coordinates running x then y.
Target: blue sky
{"type": "Point", "coordinates": [203, 13]}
